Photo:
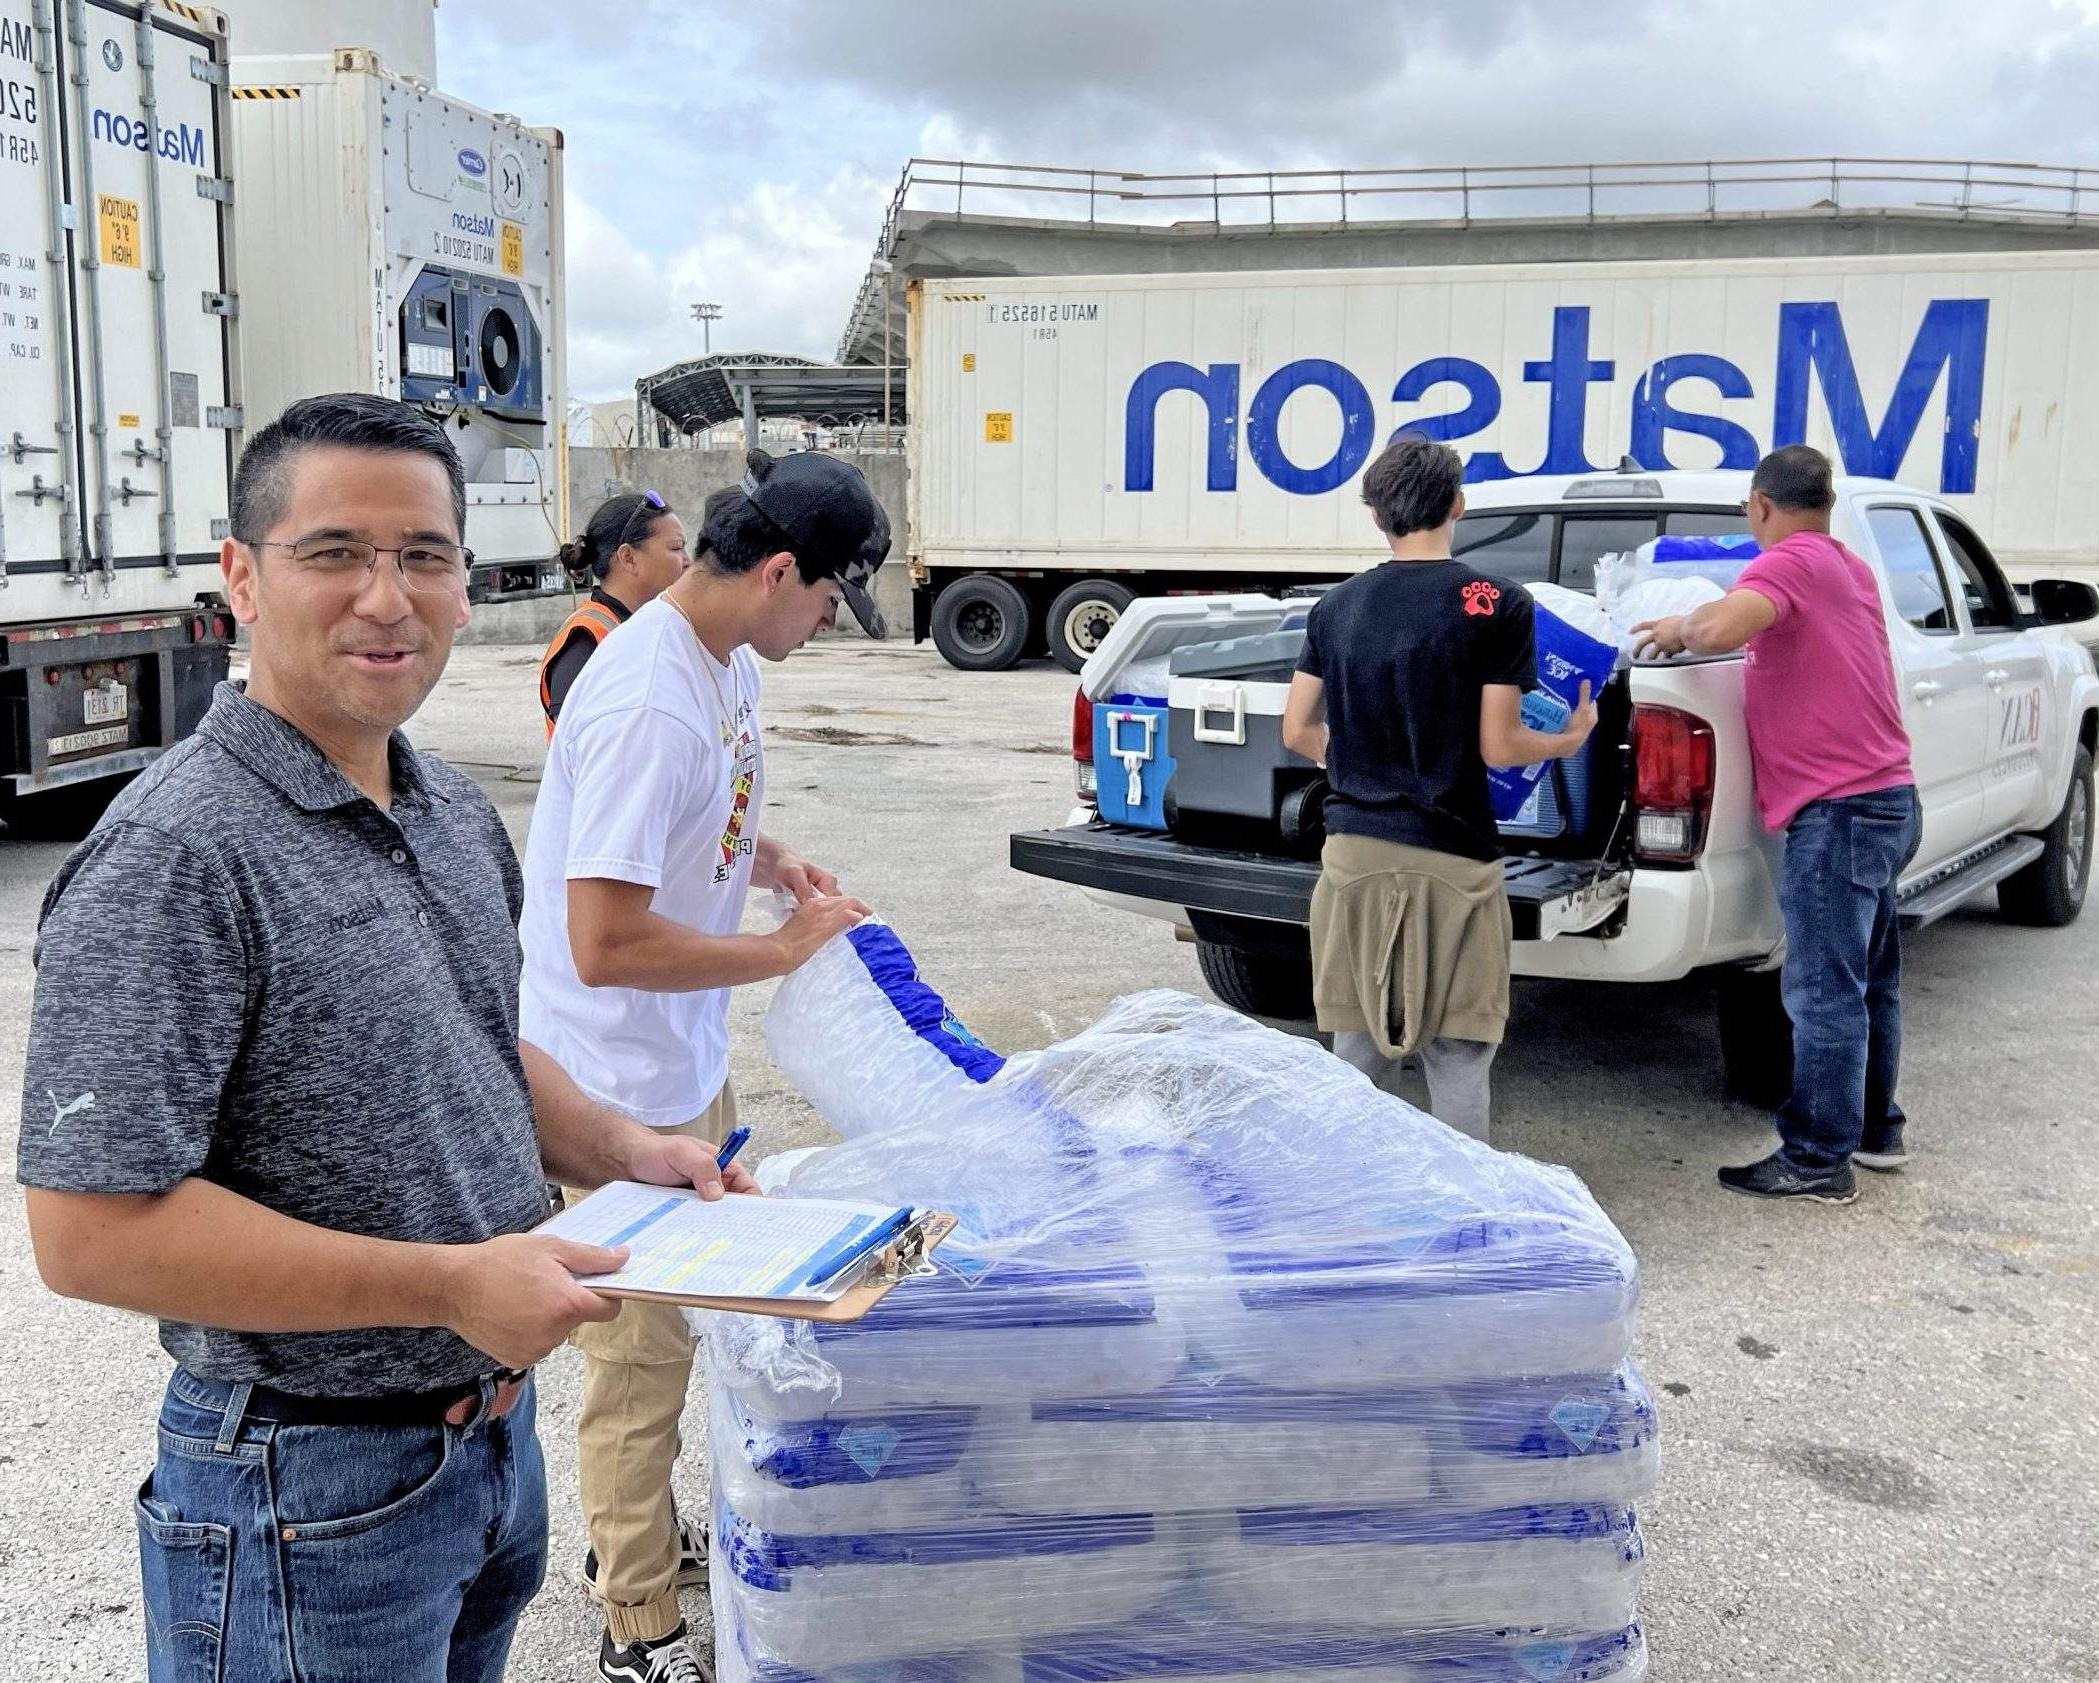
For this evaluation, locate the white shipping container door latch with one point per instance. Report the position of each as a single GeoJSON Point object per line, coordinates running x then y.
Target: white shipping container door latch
{"type": "Point", "coordinates": [1221, 698]}
{"type": "Point", "coordinates": [215, 187]}
{"type": "Point", "coordinates": [221, 304]}
{"type": "Point", "coordinates": [19, 448]}
{"type": "Point", "coordinates": [203, 70]}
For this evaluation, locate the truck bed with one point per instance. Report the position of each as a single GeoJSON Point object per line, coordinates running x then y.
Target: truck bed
{"type": "Point", "coordinates": [1547, 897]}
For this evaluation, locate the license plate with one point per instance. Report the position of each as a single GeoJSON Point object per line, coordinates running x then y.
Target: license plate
{"type": "Point", "coordinates": [110, 736]}
{"type": "Point", "coordinates": [106, 704]}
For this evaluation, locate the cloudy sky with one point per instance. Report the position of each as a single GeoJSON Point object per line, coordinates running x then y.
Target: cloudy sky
{"type": "Point", "coordinates": [746, 153]}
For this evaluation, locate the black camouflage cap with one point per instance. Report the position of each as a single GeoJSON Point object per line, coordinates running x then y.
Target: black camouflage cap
{"type": "Point", "coordinates": [831, 519]}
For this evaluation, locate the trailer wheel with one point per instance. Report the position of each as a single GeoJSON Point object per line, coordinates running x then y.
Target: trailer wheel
{"type": "Point", "coordinates": [1756, 1037]}
{"type": "Point", "coordinates": [1081, 617]}
{"type": "Point", "coordinates": [1258, 983]}
{"type": "Point", "coordinates": [980, 623]}
{"type": "Point", "coordinates": [2049, 893]}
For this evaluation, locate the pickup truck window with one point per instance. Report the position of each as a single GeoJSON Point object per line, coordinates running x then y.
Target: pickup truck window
{"type": "Point", "coordinates": [1914, 578]}
{"type": "Point", "coordinates": [1586, 539]}
{"type": "Point", "coordinates": [1990, 605]}
{"type": "Point", "coordinates": [1704, 522]}
{"type": "Point", "coordinates": [1516, 544]}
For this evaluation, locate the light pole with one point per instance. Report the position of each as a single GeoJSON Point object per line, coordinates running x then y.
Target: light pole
{"type": "Point", "coordinates": [706, 315]}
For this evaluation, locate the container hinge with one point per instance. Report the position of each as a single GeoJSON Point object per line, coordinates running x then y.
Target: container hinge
{"type": "Point", "coordinates": [215, 187]}
{"type": "Point", "coordinates": [203, 70]}
{"type": "Point", "coordinates": [221, 530]}
{"type": "Point", "coordinates": [126, 491]}
{"type": "Point", "coordinates": [19, 447]}
{"type": "Point", "coordinates": [228, 418]}
{"type": "Point", "coordinates": [221, 304]}
{"type": "Point", "coordinates": [38, 491]}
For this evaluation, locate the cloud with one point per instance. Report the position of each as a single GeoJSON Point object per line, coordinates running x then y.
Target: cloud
{"type": "Point", "coordinates": [746, 154]}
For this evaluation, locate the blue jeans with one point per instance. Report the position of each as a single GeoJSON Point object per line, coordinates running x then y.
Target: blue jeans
{"type": "Point", "coordinates": [1843, 977]}
{"type": "Point", "coordinates": [275, 1553]}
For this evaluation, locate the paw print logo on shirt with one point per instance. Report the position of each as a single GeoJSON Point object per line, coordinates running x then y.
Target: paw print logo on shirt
{"type": "Point", "coordinates": [1480, 597]}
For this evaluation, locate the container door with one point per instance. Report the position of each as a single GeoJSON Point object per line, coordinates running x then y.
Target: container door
{"type": "Point", "coordinates": [37, 472]}
{"type": "Point", "coordinates": [155, 371]}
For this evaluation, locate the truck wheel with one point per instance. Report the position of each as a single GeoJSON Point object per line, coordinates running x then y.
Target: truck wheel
{"type": "Point", "coordinates": [1260, 984]}
{"type": "Point", "coordinates": [1081, 617]}
{"type": "Point", "coordinates": [2049, 893]}
{"type": "Point", "coordinates": [1756, 1037]}
{"type": "Point", "coordinates": [980, 623]}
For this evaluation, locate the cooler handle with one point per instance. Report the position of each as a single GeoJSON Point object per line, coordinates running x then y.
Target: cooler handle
{"type": "Point", "coordinates": [1221, 698]}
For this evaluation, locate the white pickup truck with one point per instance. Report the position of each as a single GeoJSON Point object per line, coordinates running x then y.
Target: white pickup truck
{"type": "Point", "coordinates": [1671, 872]}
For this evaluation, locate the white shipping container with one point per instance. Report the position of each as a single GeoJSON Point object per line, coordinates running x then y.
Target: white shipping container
{"type": "Point", "coordinates": [119, 364]}
{"type": "Point", "coordinates": [117, 344]}
{"type": "Point", "coordinates": [400, 241]}
{"type": "Point", "coordinates": [1160, 427]}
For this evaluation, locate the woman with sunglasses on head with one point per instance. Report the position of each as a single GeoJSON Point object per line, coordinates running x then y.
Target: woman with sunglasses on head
{"type": "Point", "coordinates": [632, 548]}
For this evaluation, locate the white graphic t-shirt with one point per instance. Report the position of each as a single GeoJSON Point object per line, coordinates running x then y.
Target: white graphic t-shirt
{"type": "Point", "coordinates": [655, 776]}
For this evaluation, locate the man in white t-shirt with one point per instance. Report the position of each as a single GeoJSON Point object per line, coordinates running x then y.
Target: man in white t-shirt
{"type": "Point", "coordinates": [644, 845]}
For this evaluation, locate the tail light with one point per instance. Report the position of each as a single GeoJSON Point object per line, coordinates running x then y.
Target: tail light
{"type": "Point", "coordinates": [1082, 746]}
{"type": "Point", "coordinates": [1672, 784]}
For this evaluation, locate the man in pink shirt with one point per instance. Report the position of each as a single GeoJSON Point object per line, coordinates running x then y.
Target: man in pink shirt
{"type": "Point", "coordinates": [1832, 765]}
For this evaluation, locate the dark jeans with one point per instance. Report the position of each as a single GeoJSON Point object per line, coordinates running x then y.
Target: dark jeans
{"type": "Point", "coordinates": [1843, 976]}
{"type": "Point", "coordinates": [328, 1554]}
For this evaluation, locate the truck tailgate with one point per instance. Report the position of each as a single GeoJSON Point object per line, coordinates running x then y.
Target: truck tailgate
{"type": "Point", "coordinates": [1547, 897]}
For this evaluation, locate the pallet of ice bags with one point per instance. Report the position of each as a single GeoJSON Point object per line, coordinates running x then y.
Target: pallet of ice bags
{"type": "Point", "coordinates": [1217, 1307]}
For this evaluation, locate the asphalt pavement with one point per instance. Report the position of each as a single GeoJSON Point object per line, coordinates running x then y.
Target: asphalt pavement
{"type": "Point", "coordinates": [1880, 1453]}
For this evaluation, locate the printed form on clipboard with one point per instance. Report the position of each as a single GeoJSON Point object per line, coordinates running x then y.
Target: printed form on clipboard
{"type": "Point", "coordinates": [785, 1251]}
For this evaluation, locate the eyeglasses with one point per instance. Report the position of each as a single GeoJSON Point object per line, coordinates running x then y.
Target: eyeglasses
{"type": "Point", "coordinates": [429, 568]}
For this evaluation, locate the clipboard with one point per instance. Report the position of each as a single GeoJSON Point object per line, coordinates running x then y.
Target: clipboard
{"type": "Point", "coordinates": [881, 1272]}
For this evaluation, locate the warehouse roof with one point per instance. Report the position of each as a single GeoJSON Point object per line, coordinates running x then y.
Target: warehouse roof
{"type": "Point", "coordinates": [709, 390]}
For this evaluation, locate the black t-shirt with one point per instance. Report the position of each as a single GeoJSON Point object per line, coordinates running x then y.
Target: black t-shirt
{"type": "Point", "coordinates": [1404, 651]}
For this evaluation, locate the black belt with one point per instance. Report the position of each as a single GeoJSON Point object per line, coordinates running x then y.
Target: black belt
{"type": "Point", "coordinates": [455, 1405]}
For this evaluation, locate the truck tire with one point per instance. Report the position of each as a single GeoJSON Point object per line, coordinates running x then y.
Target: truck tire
{"type": "Point", "coordinates": [1260, 984]}
{"type": "Point", "coordinates": [980, 623]}
{"type": "Point", "coordinates": [1756, 1037]}
{"type": "Point", "coordinates": [2049, 893]}
{"type": "Point", "coordinates": [1081, 616]}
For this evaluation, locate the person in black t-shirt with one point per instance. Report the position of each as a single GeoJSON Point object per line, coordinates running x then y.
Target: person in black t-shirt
{"type": "Point", "coordinates": [1411, 684]}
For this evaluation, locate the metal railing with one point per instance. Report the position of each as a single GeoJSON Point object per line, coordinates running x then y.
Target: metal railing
{"type": "Point", "coordinates": [1273, 199]}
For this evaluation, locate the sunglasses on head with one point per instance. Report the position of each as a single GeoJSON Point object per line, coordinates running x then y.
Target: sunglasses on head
{"type": "Point", "coordinates": [647, 509]}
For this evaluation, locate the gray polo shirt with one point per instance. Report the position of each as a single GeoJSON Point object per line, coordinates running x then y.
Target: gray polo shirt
{"type": "Point", "coordinates": [252, 975]}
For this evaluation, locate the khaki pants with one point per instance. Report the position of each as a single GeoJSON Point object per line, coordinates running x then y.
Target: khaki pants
{"type": "Point", "coordinates": [636, 1370]}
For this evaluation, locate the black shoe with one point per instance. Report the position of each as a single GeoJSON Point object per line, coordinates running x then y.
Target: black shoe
{"type": "Point", "coordinates": [1882, 1149]}
{"type": "Point", "coordinates": [669, 1659]}
{"type": "Point", "coordinates": [692, 1560]}
{"type": "Point", "coordinates": [1774, 1177]}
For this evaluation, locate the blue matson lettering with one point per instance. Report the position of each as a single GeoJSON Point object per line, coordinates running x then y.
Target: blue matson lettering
{"type": "Point", "coordinates": [1812, 352]}
{"type": "Point", "coordinates": [468, 223]}
{"type": "Point", "coordinates": [179, 142]}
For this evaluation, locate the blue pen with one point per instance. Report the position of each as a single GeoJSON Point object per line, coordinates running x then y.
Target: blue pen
{"type": "Point", "coordinates": [841, 1256]}
{"type": "Point", "coordinates": [737, 1140]}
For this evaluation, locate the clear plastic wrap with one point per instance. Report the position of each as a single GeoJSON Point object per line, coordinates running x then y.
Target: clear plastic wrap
{"type": "Point", "coordinates": [1236, 1369]}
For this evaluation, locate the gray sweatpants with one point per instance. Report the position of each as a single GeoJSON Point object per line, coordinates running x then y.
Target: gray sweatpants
{"type": "Point", "coordinates": [1457, 1071]}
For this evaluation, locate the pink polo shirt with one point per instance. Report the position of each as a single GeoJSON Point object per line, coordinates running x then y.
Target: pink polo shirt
{"type": "Point", "coordinates": [1824, 719]}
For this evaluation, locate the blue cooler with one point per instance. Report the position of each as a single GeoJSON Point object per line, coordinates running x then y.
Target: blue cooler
{"type": "Point", "coordinates": [1130, 761]}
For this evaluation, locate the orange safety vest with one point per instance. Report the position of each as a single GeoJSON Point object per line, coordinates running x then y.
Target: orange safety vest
{"type": "Point", "coordinates": [595, 621]}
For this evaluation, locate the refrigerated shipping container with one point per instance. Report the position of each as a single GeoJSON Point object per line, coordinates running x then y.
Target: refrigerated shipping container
{"type": "Point", "coordinates": [1077, 441]}
{"type": "Point", "coordinates": [119, 374]}
{"type": "Point", "coordinates": [399, 241]}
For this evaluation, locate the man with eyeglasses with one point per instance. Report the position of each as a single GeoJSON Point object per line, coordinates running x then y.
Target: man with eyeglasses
{"type": "Point", "coordinates": [276, 1098]}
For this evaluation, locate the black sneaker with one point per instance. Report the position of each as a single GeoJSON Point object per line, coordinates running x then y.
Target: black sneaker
{"type": "Point", "coordinates": [669, 1659]}
{"type": "Point", "coordinates": [692, 1560]}
{"type": "Point", "coordinates": [1774, 1177]}
{"type": "Point", "coordinates": [1882, 1149]}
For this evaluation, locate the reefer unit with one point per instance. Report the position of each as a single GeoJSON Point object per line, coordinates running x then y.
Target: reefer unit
{"type": "Point", "coordinates": [400, 241]}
